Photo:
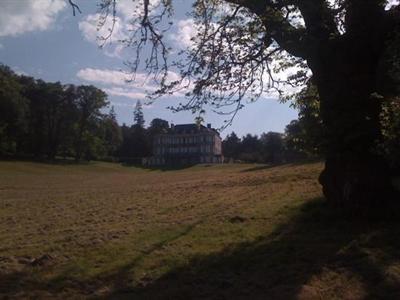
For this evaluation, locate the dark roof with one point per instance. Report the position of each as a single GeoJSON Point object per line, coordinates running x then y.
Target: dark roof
{"type": "Point", "coordinates": [191, 128]}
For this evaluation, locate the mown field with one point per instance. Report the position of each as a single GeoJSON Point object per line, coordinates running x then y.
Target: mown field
{"type": "Point", "coordinates": [206, 232]}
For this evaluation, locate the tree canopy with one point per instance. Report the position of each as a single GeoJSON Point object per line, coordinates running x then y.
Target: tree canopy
{"type": "Point", "coordinates": [241, 45]}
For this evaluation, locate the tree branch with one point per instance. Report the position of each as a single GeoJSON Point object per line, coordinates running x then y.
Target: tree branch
{"type": "Point", "coordinates": [319, 18]}
{"type": "Point", "coordinates": [290, 38]}
{"type": "Point", "coordinates": [74, 7]}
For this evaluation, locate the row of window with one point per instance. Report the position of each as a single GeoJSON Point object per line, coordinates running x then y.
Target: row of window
{"type": "Point", "coordinates": [210, 159]}
{"type": "Point", "coordinates": [166, 150]}
{"type": "Point", "coordinates": [184, 140]}
{"type": "Point", "coordinates": [162, 161]}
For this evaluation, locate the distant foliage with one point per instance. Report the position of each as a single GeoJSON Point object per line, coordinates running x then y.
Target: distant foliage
{"type": "Point", "coordinates": [138, 116]}
{"type": "Point", "coordinates": [13, 111]}
{"type": "Point", "coordinates": [270, 147]}
{"type": "Point", "coordinates": [390, 117]}
{"type": "Point", "coordinates": [305, 136]}
{"type": "Point", "coordinates": [231, 146]}
{"type": "Point", "coordinates": [49, 120]}
{"type": "Point", "coordinates": [45, 120]}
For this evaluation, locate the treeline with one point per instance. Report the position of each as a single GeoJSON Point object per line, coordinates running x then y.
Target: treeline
{"type": "Point", "coordinates": [137, 140]}
{"type": "Point", "coordinates": [271, 147]}
{"type": "Point", "coordinates": [306, 137]}
{"type": "Point", "coordinates": [42, 119]}
{"type": "Point", "coordinates": [303, 138]}
{"type": "Point", "coordinates": [46, 120]}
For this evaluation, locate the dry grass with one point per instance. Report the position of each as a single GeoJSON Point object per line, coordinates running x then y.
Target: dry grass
{"type": "Point", "coordinates": [232, 231]}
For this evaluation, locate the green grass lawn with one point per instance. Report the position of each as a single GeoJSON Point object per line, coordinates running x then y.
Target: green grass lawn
{"type": "Point", "coordinates": [207, 232]}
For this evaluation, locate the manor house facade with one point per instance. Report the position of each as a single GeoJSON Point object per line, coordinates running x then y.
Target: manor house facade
{"type": "Point", "coordinates": [187, 144]}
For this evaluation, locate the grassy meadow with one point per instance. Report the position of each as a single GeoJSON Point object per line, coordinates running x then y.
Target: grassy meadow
{"type": "Point", "coordinates": [106, 231]}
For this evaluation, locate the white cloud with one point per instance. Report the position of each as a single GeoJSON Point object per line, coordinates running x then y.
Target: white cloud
{"type": "Point", "coordinates": [127, 19]}
{"type": "Point", "coordinates": [120, 78]}
{"type": "Point", "coordinates": [131, 104]}
{"type": "Point", "coordinates": [105, 76]}
{"type": "Point", "coordinates": [133, 8]}
{"type": "Point", "coordinates": [115, 83]}
{"type": "Point", "coordinates": [185, 32]}
{"type": "Point", "coordinates": [119, 83]}
{"type": "Point", "coordinates": [128, 8]}
{"type": "Point", "coordinates": [20, 16]}
{"type": "Point", "coordinates": [125, 92]}
{"type": "Point", "coordinates": [94, 33]}
{"type": "Point", "coordinates": [91, 31]}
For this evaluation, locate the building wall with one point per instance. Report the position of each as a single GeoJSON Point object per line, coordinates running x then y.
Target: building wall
{"type": "Point", "coordinates": [202, 147]}
{"type": "Point", "coordinates": [203, 143]}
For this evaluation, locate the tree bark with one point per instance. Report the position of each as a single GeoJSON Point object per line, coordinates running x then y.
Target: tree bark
{"type": "Point", "coordinates": [355, 176]}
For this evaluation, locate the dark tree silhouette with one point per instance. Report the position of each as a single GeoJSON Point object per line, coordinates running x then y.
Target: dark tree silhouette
{"type": "Point", "coordinates": [273, 147]}
{"type": "Point", "coordinates": [306, 135]}
{"type": "Point", "coordinates": [138, 117]}
{"type": "Point", "coordinates": [89, 101]}
{"type": "Point", "coordinates": [231, 146]}
{"type": "Point", "coordinates": [13, 110]}
{"type": "Point", "coordinates": [158, 126]}
{"type": "Point", "coordinates": [112, 133]}
{"type": "Point", "coordinates": [46, 120]}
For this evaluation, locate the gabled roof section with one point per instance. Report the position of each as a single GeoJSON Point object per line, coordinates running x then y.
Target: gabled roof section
{"type": "Point", "coordinates": [191, 128]}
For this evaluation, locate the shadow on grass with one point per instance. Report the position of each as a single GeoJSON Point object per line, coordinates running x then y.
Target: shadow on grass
{"type": "Point", "coordinates": [23, 285]}
{"type": "Point", "coordinates": [280, 265]}
{"type": "Point", "coordinates": [164, 168]}
{"type": "Point", "coordinates": [46, 161]}
{"type": "Point", "coordinates": [270, 166]}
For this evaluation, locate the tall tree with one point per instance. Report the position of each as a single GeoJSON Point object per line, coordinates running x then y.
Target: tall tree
{"type": "Point", "coordinates": [241, 41]}
{"type": "Point", "coordinates": [250, 148]}
{"type": "Point", "coordinates": [35, 91]}
{"type": "Point", "coordinates": [231, 146]}
{"type": "Point", "coordinates": [112, 133]}
{"type": "Point", "coordinates": [158, 126]}
{"type": "Point", "coordinates": [13, 111]}
{"type": "Point", "coordinates": [306, 135]}
{"type": "Point", "coordinates": [126, 148]}
{"type": "Point", "coordinates": [138, 117]}
{"type": "Point", "coordinates": [296, 141]}
{"type": "Point", "coordinates": [140, 142]}
{"type": "Point", "coordinates": [272, 147]}
{"type": "Point", "coordinates": [59, 116]}
{"type": "Point", "coordinates": [89, 101]}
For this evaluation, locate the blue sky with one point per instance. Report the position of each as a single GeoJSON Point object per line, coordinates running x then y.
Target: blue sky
{"type": "Point", "coordinates": [42, 38]}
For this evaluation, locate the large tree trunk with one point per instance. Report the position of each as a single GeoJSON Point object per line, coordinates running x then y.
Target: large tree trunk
{"type": "Point", "coordinates": [357, 183]}
{"type": "Point", "coordinates": [355, 176]}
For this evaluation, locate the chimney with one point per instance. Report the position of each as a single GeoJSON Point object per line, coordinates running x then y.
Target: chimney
{"type": "Point", "coordinates": [209, 126]}
{"type": "Point", "coordinates": [172, 126]}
